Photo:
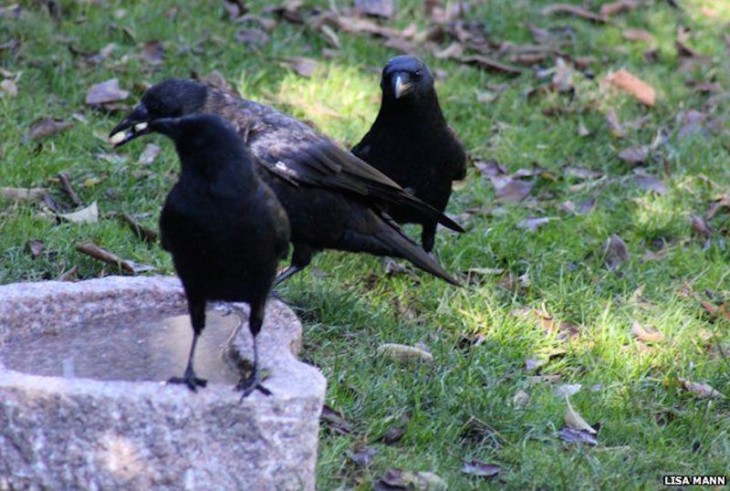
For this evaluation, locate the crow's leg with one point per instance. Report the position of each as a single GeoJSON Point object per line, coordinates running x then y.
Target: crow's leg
{"type": "Point", "coordinates": [197, 317]}
{"type": "Point", "coordinates": [253, 382]}
{"type": "Point", "coordinates": [428, 236]}
{"type": "Point", "coordinates": [301, 257]}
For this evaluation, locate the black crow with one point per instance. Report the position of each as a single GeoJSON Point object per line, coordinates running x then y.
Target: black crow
{"type": "Point", "coordinates": [222, 224]}
{"type": "Point", "coordinates": [412, 144]}
{"type": "Point", "coordinates": [333, 199]}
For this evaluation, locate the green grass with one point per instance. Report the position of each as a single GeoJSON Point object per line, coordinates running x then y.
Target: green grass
{"type": "Point", "coordinates": [460, 406]}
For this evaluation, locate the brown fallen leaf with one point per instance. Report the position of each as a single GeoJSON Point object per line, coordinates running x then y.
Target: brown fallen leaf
{"type": "Point", "coordinates": [722, 203]}
{"type": "Point", "coordinates": [635, 155]}
{"type": "Point", "coordinates": [638, 35]}
{"type": "Point", "coordinates": [90, 214]}
{"type": "Point", "coordinates": [306, 67]}
{"type": "Point", "coordinates": [633, 85]}
{"type": "Point", "coordinates": [8, 88]}
{"type": "Point", "coordinates": [44, 127]}
{"type": "Point", "coordinates": [23, 194]}
{"type": "Point", "coordinates": [235, 8]}
{"type": "Point", "coordinates": [35, 247]}
{"type": "Point", "coordinates": [251, 36]}
{"type": "Point", "coordinates": [490, 168]}
{"type": "Point", "coordinates": [614, 126]}
{"type": "Point", "coordinates": [575, 421]}
{"type": "Point", "coordinates": [153, 52]}
{"type": "Point", "coordinates": [93, 250]}
{"type": "Point", "coordinates": [377, 8]}
{"type": "Point", "coordinates": [619, 7]}
{"type": "Point", "coordinates": [149, 154]}
{"type": "Point", "coordinates": [362, 455]}
{"type": "Point", "coordinates": [396, 479]}
{"type": "Point", "coordinates": [650, 183]}
{"type": "Point", "coordinates": [562, 8]}
{"type": "Point", "coordinates": [480, 469]}
{"type": "Point", "coordinates": [488, 64]}
{"type": "Point", "coordinates": [335, 421]}
{"type": "Point", "coordinates": [700, 227]}
{"type": "Point", "coordinates": [143, 233]}
{"type": "Point", "coordinates": [722, 311]}
{"type": "Point", "coordinates": [403, 353]}
{"type": "Point", "coordinates": [615, 252]}
{"type": "Point", "coordinates": [582, 208]}
{"type": "Point", "coordinates": [68, 188]}
{"type": "Point", "coordinates": [508, 189]}
{"type": "Point", "coordinates": [571, 435]}
{"type": "Point", "coordinates": [105, 92]}
{"type": "Point", "coordinates": [702, 390]}
{"type": "Point", "coordinates": [646, 335]}
{"type": "Point", "coordinates": [533, 223]}
{"type": "Point", "coordinates": [563, 77]}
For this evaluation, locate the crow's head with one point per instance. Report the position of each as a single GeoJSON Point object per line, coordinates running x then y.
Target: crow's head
{"type": "Point", "coordinates": [169, 99]}
{"type": "Point", "coordinates": [406, 77]}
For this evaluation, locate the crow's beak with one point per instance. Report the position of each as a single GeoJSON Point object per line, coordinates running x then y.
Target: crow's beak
{"type": "Point", "coordinates": [401, 85]}
{"type": "Point", "coordinates": [131, 127]}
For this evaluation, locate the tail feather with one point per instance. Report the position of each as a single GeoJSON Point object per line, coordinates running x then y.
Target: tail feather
{"type": "Point", "coordinates": [402, 246]}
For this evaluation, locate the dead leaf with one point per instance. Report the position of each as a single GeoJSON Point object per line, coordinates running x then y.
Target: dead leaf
{"type": "Point", "coordinates": [508, 189]}
{"type": "Point", "coordinates": [490, 168]}
{"type": "Point", "coordinates": [35, 247]}
{"type": "Point", "coordinates": [718, 205]}
{"type": "Point", "coordinates": [567, 390]}
{"type": "Point", "coordinates": [615, 252]}
{"type": "Point", "coordinates": [398, 479]}
{"type": "Point", "coordinates": [621, 6]}
{"type": "Point", "coordinates": [488, 64]}
{"type": "Point", "coordinates": [69, 189]}
{"type": "Point", "coordinates": [153, 52]}
{"type": "Point", "coordinates": [637, 35]}
{"type": "Point", "coordinates": [362, 455]}
{"type": "Point", "coordinates": [646, 335]}
{"type": "Point", "coordinates": [582, 208]}
{"type": "Point", "coordinates": [93, 250]}
{"type": "Point", "coordinates": [704, 391]}
{"type": "Point", "coordinates": [683, 49]}
{"type": "Point", "coordinates": [335, 421]}
{"type": "Point", "coordinates": [635, 155]}
{"type": "Point", "coordinates": [44, 127]}
{"type": "Point", "coordinates": [453, 50]}
{"type": "Point", "coordinates": [105, 93]}
{"type": "Point", "coordinates": [306, 67]}
{"type": "Point", "coordinates": [23, 194]}
{"type": "Point", "coordinates": [533, 223]}
{"type": "Point", "coordinates": [575, 421]}
{"type": "Point", "coordinates": [235, 8]}
{"type": "Point", "coordinates": [377, 8]}
{"type": "Point", "coordinates": [571, 435]}
{"type": "Point", "coordinates": [90, 214]}
{"type": "Point", "coordinates": [582, 172]}
{"type": "Point", "coordinates": [650, 183]}
{"type": "Point", "coordinates": [8, 88]}
{"type": "Point", "coordinates": [633, 85]}
{"type": "Point", "coordinates": [143, 233]}
{"type": "Point", "coordinates": [149, 154]}
{"type": "Point", "coordinates": [562, 8]}
{"type": "Point", "coordinates": [693, 123]}
{"type": "Point", "coordinates": [583, 131]}
{"type": "Point", "coordinates": [563, 77]}
{"type": "Point", "coordinates": [532, 364]}
{"type": "Point", "coordinates": [614, 126]}
{"type": "Point", "coordinates": [700, 227]}
{"type": "Point", "coordinates": [480, 469]}
{"type": "Point", "coordinates": [393, 435]}
{"type": "Point", "coordinates": [402, 353]}
{"type": "Point", "coordinates": [520, 399]}
{"type": "Point", "coordinates": [251, 36]}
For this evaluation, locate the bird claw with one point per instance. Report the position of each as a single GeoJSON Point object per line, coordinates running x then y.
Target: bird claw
{"type": "Point", "coordinates": [190, 380]}
{"type": "Point", "coordinates": [249, 384]}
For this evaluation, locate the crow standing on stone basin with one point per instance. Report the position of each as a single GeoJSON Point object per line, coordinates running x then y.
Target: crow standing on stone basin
{"type": "Point", "coordinates": [411, 142]}
{"type": "Point", "coordinates": [224, 227]}
{"type": "Point", "coordinates": [334, 200]}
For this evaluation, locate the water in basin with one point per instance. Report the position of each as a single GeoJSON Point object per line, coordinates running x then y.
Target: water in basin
{"type": "Point", "coordinates": [136, 346]}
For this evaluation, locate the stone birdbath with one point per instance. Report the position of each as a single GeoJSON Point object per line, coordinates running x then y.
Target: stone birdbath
{"type": "Point", "coordinates": [83, 404]}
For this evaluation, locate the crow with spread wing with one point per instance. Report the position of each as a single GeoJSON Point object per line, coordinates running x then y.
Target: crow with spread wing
{"type": "Point", "coordinates": [333, 199]}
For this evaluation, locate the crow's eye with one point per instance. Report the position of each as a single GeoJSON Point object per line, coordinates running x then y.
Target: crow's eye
{"type": "Point", "coordinates": [419, 73]}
